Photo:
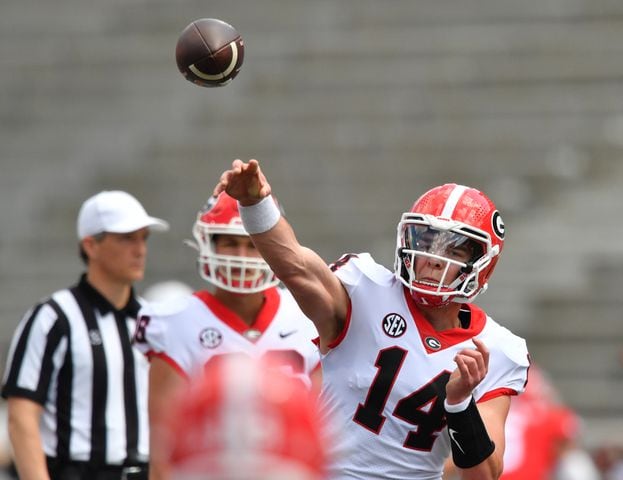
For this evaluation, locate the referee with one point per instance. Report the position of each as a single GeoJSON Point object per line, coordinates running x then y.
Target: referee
{"type": "Point", "coordinates": [76, 388]}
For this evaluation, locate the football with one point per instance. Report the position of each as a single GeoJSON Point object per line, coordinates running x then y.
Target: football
{"type": "Point", "coordinates": [209, 52]}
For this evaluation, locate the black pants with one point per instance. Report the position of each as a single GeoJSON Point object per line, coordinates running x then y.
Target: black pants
{"type": "Point", "coordinates": [85, 471]}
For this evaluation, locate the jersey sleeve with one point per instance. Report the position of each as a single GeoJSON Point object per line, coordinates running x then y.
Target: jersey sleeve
{"type": "Point", "coordinates": [350, 269]}
{"type": "Point", "coordinates": [508, 364]}
{"type": "Point", "coordinates": [152, 328]}
{"type": "Point", "coordinates": [37, 348]}
{"type": "Point", "coordinates": [161, 332]}
{"type": "Point", "coordinates": [310, 349]}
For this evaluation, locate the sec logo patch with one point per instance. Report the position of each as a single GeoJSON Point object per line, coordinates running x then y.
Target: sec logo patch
{"type": "Point", "coordinates": [394, 325]}
{"type": "Point", "coordinates": [210, 337]}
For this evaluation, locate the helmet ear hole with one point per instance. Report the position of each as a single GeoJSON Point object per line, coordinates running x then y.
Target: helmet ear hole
{"type": "Point", "coordinates": [479, 251]}
{"type": "Point", "coordinates": [469, 268]}
{"type": "Point", "coordinates": [403, 270]}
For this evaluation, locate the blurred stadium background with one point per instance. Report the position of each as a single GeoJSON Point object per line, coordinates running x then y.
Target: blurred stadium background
{"type": "Point", "coordinates": [355, 108]}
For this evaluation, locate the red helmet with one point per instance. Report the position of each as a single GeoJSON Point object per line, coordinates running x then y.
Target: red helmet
{"type": "Point", "coordinates": [457, 233]}
{"type": "Point", "coordinates": [244, 419]}
{"type": "Point", "coordinates": [239, 274]}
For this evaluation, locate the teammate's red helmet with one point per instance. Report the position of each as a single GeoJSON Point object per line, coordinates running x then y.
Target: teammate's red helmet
{"type": "Point", "coordinates": [245, 420]}
{"type": "Point", "coordinates": [220, 216]}
{"type": "Point", "coordinates": [456, 228]}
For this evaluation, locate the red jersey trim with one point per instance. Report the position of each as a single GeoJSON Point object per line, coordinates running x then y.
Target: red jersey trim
{"type": "Point", "coordinates": [265, 316]}
{"type": "Point", "coordinates": [163, 356]}
{"type": "Point", "coordinates": [450, 337]}
{"type": "Point", "coordinates": [498, 392]}
{"type": "Point", "coordinates": [342, 334]}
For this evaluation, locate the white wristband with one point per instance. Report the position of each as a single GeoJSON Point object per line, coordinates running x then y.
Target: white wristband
{"type": "Point", "coordinates": [457, 407]}
{"type": "Point", "coordinates": [261, 217]}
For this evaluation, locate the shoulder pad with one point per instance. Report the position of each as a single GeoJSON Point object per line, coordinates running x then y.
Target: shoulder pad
{"type": "Point", "coordinates": [513, 346]}
{"type": "Point", "coordinates": [163, 309]}
{"type": "Point", "coordinates": [351, 267]}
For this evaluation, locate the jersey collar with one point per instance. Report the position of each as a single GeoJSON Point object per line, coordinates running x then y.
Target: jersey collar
{"type": "Point", "coordinates": [264, 317]}
{"type": "Point", "coordinates": [104, 306]}
{"type": "Point", "coordinates": [434, 341]}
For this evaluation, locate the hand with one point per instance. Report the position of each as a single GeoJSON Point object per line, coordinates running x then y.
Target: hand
{"type": "Point", "coordinates": [472, 367]}
{"type": "Point", "coordinates": [245, 182]}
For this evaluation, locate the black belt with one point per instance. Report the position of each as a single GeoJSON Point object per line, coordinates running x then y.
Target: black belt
{"type": "Point", "coordinates": [75, 470]}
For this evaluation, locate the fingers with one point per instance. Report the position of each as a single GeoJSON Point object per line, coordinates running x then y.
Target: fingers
{"type": "Point", "coordinates": [223, 182]}
{"type": "Point", "coordinates": [473, 364]}
{"type": "Point", "coordinates": [237, 167]}
{"type": "Point", "coordinates": [243, 181]}
{"type": "Point", "coordinates": [253, 166]}
{"type": "Point", "coordinates": [472, 367]}
{"type": "Point", "coordinates": [482, 348]}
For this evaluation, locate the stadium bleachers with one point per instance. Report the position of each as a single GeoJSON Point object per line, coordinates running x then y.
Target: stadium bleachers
{"type": "Point", "coordinates": [355, 107]}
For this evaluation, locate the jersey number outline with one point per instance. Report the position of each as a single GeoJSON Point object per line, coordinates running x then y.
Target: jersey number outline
{"type": "Point", "coordinates": [422, 408]}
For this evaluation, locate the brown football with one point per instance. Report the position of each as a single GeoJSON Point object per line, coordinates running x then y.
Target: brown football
{"type": "Point", "coordinates": [209, 52]}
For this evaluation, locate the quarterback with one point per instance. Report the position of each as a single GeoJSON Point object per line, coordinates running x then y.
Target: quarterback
{"type": "Point", "coordinates": [413, 371]}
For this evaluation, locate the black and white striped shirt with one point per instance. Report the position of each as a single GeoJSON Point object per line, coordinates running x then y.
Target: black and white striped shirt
{"type": "Point", "coordinates": [72, 354]}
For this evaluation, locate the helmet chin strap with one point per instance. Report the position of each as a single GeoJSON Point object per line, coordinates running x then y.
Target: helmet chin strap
{"type": "Point", "coordinates": [420, 299]}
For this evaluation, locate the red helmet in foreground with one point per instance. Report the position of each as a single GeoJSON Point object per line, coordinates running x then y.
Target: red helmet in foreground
{"type": "Point", "coordinates": [246, 420]}
{"type": "Point", "coordinates": [448, 245]}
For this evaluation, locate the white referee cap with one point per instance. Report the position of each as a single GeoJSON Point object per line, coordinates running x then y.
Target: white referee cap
{"type": "Point", "coordinates": [114, 212]}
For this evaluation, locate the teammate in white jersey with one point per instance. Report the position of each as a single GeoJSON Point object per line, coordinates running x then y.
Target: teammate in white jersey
{"type": "Point", "coordinates": [244, 313]}
{"type": "Point", "coordinates": [412, 371]}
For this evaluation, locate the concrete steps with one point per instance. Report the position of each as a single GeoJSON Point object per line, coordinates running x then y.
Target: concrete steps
{"type": "Point", "coordinates": [355, 109]}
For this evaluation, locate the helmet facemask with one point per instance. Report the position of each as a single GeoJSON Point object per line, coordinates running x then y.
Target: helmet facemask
{"type": "Point", "coordinates": [440, 261]}
{"type": "Point", "coordinates": [238, 274]}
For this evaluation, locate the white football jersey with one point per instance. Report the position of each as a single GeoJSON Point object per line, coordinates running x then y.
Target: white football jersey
{"type": "Point", "coordinates": [190, 331]}
{"type": "Point", "coordinates": [384, 378]}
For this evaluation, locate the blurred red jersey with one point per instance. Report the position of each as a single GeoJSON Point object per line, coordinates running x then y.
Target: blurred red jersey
{"type": "Point", "coordinates": [536, 430]}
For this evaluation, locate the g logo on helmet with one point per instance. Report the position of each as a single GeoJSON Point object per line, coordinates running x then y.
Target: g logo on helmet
{"type": "Point", "coordinates": [497, 225]}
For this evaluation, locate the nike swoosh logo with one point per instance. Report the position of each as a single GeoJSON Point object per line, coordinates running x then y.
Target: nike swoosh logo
{"type": "Point", "coordinates": [452, 434]}
{"type": "Point", "coordinates": [287, 334]}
